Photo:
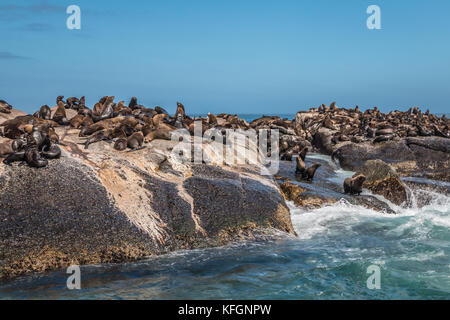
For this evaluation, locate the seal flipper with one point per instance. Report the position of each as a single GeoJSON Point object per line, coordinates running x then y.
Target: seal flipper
{"type": "Point", "coordinates": [13, 157]}
{"type": "Point", "coordinates": [53, 152]}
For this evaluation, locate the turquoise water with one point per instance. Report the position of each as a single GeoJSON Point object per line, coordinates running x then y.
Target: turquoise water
{"type": "Point", "coordinates": [327, 260]}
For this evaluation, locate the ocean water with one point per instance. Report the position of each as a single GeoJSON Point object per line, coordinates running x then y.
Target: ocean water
{"type": "Point", "coordinates": [328, 259]}
{"type": "Point", "coordinates": [252, 116]}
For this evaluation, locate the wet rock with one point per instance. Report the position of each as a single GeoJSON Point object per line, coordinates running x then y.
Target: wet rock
{"type": "Point", "coordinates": [303, 198]}
{"type": "Point", "coordinates": [381, 179]}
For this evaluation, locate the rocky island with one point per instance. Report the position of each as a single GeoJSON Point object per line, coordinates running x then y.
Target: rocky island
{"type": "Point", "coordinates": [102, 185]}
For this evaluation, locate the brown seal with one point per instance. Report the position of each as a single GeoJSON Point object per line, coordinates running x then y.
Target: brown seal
{"type": "Point", "coordinates": [121, 144]}
{"type": "Point", "coordinates": [60, 116]}
{"type": "Point", "coordinates": [306, 173]}
{"type": "Point", "coordinates": [5, 107]}
{"type": "Point", "coordinates": [162, 134]}
{"type": "Point", "coordinates": [135, 141]}
{"type": "Point", "coordinates": [45, 113]}
{"type": "Point", "coordinates": [77, 121]}
{"type": "Point", "coordinates": [354, 185]}
{"type": "Point", "coordinates": [180, 110]}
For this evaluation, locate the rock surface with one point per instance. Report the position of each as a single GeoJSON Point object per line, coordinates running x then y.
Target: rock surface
{"type": "Point", "coordinates": [421, 157]}
{"type": "Point", "coordinates": [381, 179]}
{"type": "Point", "coordinates": [101, 205]}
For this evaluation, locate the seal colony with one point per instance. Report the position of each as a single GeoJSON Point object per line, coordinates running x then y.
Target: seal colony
{"type": "Point", "coordinates": [32, 139]}
{"type": "Point", "coordinates": [112, 203]}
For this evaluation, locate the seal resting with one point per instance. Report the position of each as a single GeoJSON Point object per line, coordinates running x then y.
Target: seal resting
{"type": "Point", "coordinates": [354, 185]}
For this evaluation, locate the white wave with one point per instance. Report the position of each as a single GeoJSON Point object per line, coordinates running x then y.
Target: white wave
{"type": "Point", "coordinates": [343, 217]}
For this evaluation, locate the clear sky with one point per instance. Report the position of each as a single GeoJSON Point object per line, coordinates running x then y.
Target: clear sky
{"type": "Point", "coordinates": [237, 56]}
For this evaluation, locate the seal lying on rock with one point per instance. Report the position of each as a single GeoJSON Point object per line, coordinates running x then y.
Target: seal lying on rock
{"type": "Point", "coordinates": [354, 185]}
{"type": "Point", "coordinates": [35, 149]}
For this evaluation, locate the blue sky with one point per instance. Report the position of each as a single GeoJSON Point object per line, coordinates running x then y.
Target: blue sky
{"type": "Point", "coordinates": [228, 56]}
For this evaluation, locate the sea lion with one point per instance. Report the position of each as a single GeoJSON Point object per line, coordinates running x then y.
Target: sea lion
{"type": "Point", "coordinates": [34, 158]}
{"type": "Point", "coordinates": [133, 103]}
{"type": "Point", "coordinates": [103, 99]}
{"type": "Point", "coordinates": [354, 185]}
{"type": "Point", "coordinates": [59, 98]}
{"type": "Point", "coordinates": [135, 141]}
{"type": "Point", "coordinates": [104, 110]}
{"type": "Point", "coordinates": [77, 121]}
{"type": "Point", "coordinates": [14, 157]}
{"type": "Point", "coordinates": [158, 119]}
{"type": "Point", "coordinates": [87, 121]}
{"type": "Point", "coordinates": [105, 134]}
{"type": "Point", "coordinates": [384, 138]}
{"type": "Point", "coordinates": [287, 156]}
{"type": "Point", "coordinates": [180, 110]}
{"type": "Point", "coordinates": [121, 144]}
{"type": "Point", "coordinates": [305, 173]}
{"type": "Point", "coordinates": [60, 115]}
{"type": "Point", "coordinates": [45, 112]}
{"type": "Point", "coordinates": [51, 151]}
{"type": "Point", "coordinates": [72, 102]}
{"type": "Point", "coordinates": [52, 135]}
{"type": "Point", "coordinates": [5, 107]}
{"type": "Point", "coordinates": [160, 110]}
{"type": "Point", "coordinates": [383, 132]}
{"type": "Point", "coordinates": [162, 134]}
{"type": "Point", "coordinates": [333, 106]}
{"type": "Point", "coordinates": [212, 119]}
{"type": "Point", "coordinates": [101, 125]}
{"type": "Point", "coordinates": [18, 144]}
{"type": "Point", "coordinates": [303, 152]}
{"type": "Point", "coordinates": [311, 171]}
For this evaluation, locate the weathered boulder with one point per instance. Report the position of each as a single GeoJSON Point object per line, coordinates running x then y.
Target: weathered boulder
{"type": "Point", "coordinates": [382, 179]}
{"type": "Point", "coordinates": [101, 205]}
{"type": "Point", "coordinates": [322, 141]}
{"type": "Point", "coordinates": [421, 156]}
{"type": "Point", "coordinates": [303, 198]}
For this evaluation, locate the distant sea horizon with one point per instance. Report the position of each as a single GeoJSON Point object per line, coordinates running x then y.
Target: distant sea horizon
{"type": "Point", "coordinates": [290, 116]}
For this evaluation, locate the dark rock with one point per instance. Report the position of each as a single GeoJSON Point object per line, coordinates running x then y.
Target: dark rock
{"type": "Point", "coordinates": [322, 141]}
{"type": "Point", "coordinates": [409, 157]}
{"type": "Point", "coordinates": [102, 206]}
{"type": "Point", "coordinates": [382, 179]}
